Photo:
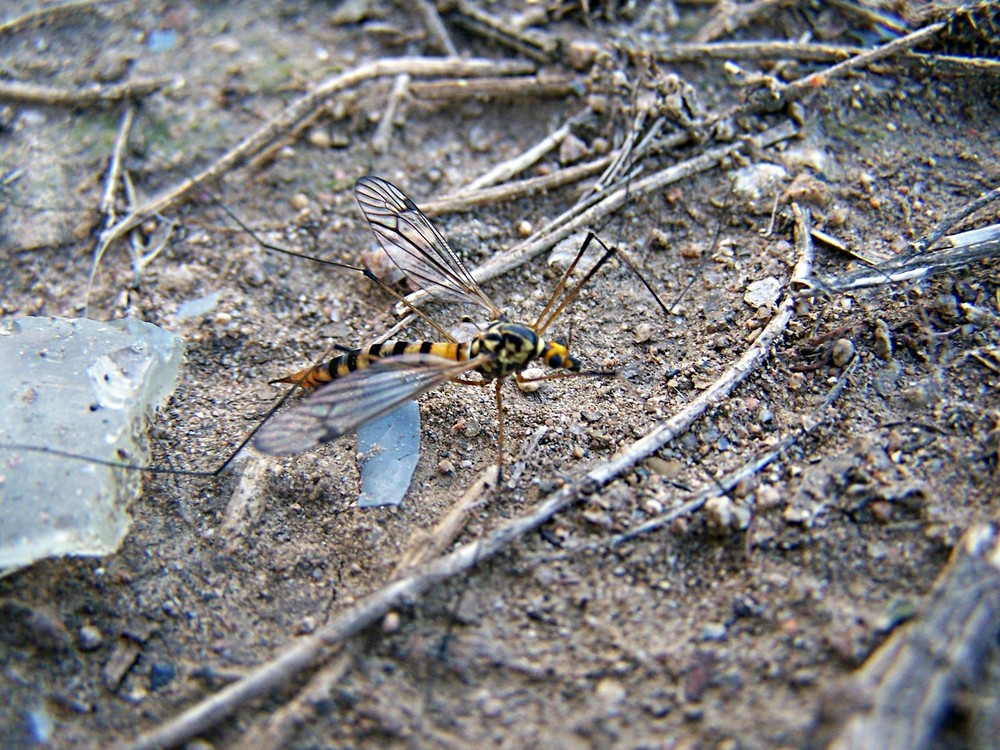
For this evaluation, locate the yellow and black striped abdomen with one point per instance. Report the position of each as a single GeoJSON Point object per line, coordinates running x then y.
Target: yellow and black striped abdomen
{"type": "Point", "coordinates": [358, 359]}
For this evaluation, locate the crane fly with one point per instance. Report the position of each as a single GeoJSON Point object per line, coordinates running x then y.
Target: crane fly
{"type": "Point", "coordinates": [360, 385]}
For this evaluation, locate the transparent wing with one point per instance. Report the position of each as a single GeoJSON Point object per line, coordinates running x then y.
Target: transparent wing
{"type": "Point", "coordinates": [363, 396]}
{"type": "Point", "coordinates": [420, 250]}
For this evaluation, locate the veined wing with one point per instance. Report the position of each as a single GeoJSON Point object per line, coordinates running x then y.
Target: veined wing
{"type": "Point", "coordinates": [420, 250]}
{"type": "Point", "coordinates": [363, 396]}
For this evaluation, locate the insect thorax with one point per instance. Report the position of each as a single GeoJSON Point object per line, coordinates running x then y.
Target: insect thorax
{"type": "Point", "coordinates": [512, 345]}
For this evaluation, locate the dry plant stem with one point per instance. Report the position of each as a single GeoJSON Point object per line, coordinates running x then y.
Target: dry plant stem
{"type": "Point", "coordinates": [432, 23]}
{"type": "Point", "coordinates": [797, 88]}
{"type": "Point", "coordinates": [534, 45]}
{"type": "Point", "coordinates": [383, 133]}
{"type": "Point", "coordinates": [910, 684]}
{"type": "Point", "coordinates": [572, 221]}
{"type": "Point", "coordinates": [755, 51]}
{"type": "Point", "coordinates": [113, 179]}
{"type": "Point", "coordinates": [277, 730]}
{"type": "Point", "coordinates": [27, 93]}
{"type": "Point", "coordinates": [915, 267]}
{"type": "Point", "coordinates": [483, 89]}
{"type": "Point", "coordinates": [303, 653]}
{"type": "Point", "coordinates": [505, 170]}
{"type": "Point", "coordinates": [942, 228]}
{"type": "Point", "coordinates": [48, 14]}
{"type": "Point", "coordinates": [288, 119]}
{"type": "Point", "coordinates": [732, 17]}
{"type": "Point", "coordinates": [870, 15]}
{"type": "Point", "coordinates": [465, 200]}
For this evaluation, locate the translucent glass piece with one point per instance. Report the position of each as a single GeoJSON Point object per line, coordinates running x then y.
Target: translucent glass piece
{"type": "Point", "coordinates": [84, 387]}
{"type": "Point", "coordinates": [389, 449]}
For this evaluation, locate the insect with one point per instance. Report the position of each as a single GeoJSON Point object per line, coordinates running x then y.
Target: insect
{"type": "Point", "coordinates": [361, 385]}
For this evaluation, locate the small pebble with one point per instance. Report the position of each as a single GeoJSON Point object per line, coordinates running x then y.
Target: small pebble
{"type": "Point", "coordinates": [161, 674]}
{"type": "Point", "coordinates": [882, 340]}
{"type": "Point", "coordinates": [90, 638]}
{"type": "Point", "coordinates": [719, 512]}
{"type": "Point", "coordinates": [300, 201]}
{"type": "Point", "coordinates": [479, 139]}
{"type": "Point", "coordinates": [524, 228]}
{"type": "Point", "coordinates": [582, 53]}
{"type": "Point", "coordinates": [842, 352]}
{"type": "Point", "coordinates": [319, 138]}
{"type": "Point", "coordinates": [664, 467]}
{"type": "Point", "coordinates": [472, 428]}
{"type": "Point", "coordinates": [446, 466]}
{"type": "Point", "coordinates": [610, 691]}
{"type": "Point", "coordinates": [763, 293]}
{"type": "Point", "coordinates": [530, 385]}
{"type": "Point", "coordinates": [306, 626]}
{"type": "Point", "coordinates": [643, 333]}
{"type": "Point", "coordinates": [713, 631]}
{"type": "Point", "coordinates": [572, 149]}
{"type": "Point", "coordinates": [390, 623]}
{"type": "Point", "coordinates": [228, 45]}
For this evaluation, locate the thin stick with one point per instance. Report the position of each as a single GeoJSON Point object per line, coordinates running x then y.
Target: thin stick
{"type": "Point", "coordinates": [304, 652]}
{"type": "Point", "coordinates": [942, 228]}
{"type": "Point", "coordinates": [383, 133]}
{"type": "Point", "coordinates": [432, 23]}
{"type": "Point", "coordinates": [45, 15]}
{"type": "Point", "coordinates": [505, 170]}
{"type": "Point", "coordinates": [811, 82]}
{"type": "Point", "coordinates": [467, 199]}
{"type": "Point", "coordinates": [115, 166]}
{"type": "Point", "coordinates": [533, 45]}
{"type": "Point", "coordinates": [29, 93]}
{"type": "Point", "coordinates": [731, 17]}
{"type": "Point", "coordinates": [759, 50]}
{"type": "Point", "coordinates": [529, 87]}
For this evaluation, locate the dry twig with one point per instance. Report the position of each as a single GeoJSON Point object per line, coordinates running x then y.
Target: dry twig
{"type": "Point", "coordinates": [533, 45]}
{"type": "Point", "coordinates": [40, 16]}
{"type": "Point", "coordinates": [731, 17]}
{"type": "Point", "coordinates": [432, 23]}
{"type": "Point", "coordinates": [383, 133]}
{"type": "Point", "coordinates": [28, 93]}
{"type": "Point", "coordinates": [508, 89]}
{"type": "Point", "coordinates": [466, 200]}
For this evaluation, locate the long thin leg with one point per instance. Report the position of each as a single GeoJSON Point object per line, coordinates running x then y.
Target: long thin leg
{"type": "Point", "coordinates": [499, 434]}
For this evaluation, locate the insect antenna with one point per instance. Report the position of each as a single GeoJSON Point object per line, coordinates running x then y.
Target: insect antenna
{"type": "Point", "coordinates": [337, 264]}
{"type": "Point", "coordinates": [549, 315]}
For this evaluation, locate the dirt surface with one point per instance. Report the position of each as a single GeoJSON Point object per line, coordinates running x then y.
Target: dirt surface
{"type": "Point", "coordinates": [722, 629]}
